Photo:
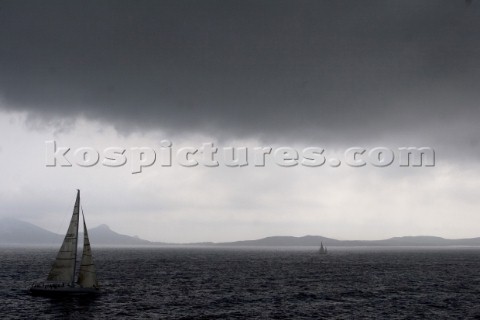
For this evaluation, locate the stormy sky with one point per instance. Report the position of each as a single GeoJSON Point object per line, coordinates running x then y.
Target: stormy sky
{"type": "Point", "coordinates": [333, 74]}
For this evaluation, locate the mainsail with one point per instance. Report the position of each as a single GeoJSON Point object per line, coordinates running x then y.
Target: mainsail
{"type": "Point", "coordinates": [87, 277]}
{"type": "Point", "coordinates": [63, 268]}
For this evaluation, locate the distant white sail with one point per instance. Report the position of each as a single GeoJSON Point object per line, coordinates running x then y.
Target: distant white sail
{"type": "Point", "coordinates": [63, 268]}
{"type": "Point", "coordinates": [87, 277]}
{"type": "Point", "coordinates": [322, 250]}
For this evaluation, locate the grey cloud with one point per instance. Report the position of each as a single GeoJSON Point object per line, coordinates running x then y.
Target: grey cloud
{"type": "Point", "coordinates": [230, 68]}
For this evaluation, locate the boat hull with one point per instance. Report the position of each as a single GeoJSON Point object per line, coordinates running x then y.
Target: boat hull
{"type": "Point", "coordinates": [63, 291]}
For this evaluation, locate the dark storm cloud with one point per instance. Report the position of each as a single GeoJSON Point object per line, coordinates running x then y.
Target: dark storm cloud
{"type": "Point", "coordinates": [243, 67]}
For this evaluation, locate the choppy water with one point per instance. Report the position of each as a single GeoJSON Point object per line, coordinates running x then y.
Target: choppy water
{"type": "Point", "coordinates": [183, 283]}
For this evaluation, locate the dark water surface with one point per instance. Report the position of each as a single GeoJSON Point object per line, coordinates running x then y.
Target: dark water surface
{"type": "Point", "coordinates": [200, 283]}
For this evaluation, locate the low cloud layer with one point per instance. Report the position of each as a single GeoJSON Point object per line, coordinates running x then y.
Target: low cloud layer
{"type": "Point", "coordinates": [180, 204]}
{"type": "Point", "coordinates": [248, 68]}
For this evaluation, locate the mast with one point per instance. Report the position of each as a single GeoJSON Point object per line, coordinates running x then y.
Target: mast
{"type": "Point", "coordinates": [76, 240]}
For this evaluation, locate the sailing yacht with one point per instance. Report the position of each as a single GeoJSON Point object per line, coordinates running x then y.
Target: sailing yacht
{"type": "Point", "coordinates": [322, 250]}
{"type": "Point", "coordinates": [61, 279]}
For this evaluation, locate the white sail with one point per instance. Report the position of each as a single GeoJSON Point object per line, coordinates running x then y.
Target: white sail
{"type": "Point", "coordinates": [87, 277]}
{"type": "Point", "coordinates": [63, 268]}
{"type": "Point", "coordinates": [322, 250]}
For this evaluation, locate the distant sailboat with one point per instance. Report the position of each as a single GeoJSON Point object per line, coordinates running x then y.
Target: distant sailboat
{"type": "Point", "coordinates": [322, 250]}
{"type": "Point", "coordinates": [61, 279]}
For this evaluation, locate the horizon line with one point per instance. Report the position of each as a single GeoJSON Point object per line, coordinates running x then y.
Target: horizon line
{"type": "Point", "coordinates": [243, 240]}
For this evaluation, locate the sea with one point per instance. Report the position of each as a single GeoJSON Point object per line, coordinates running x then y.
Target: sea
{"type": "Point", "coordinates": [260, 283]}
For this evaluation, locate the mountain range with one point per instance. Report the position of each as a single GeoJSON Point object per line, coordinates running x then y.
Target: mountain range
{"type": "Point", "coordinates": [17, 232]}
